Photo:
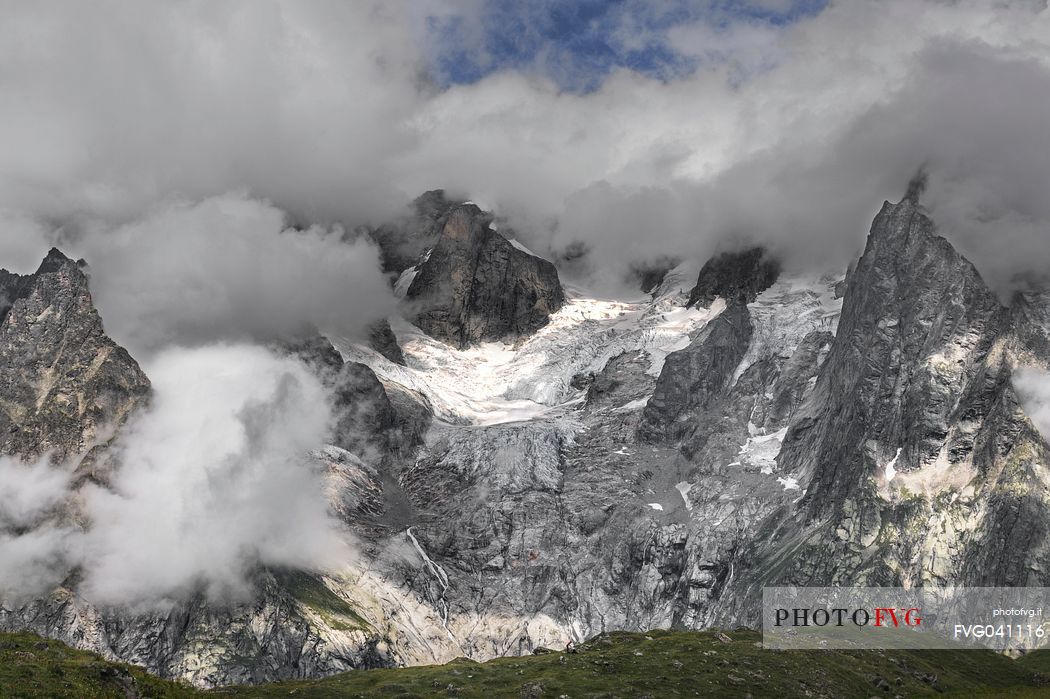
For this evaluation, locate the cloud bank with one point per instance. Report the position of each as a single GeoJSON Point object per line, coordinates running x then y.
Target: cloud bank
{"type": "Point", "coordinates": [844, 108]}
{"type": "Point", "coordinates": [840, 112]}
{"type": "Point", "coordinates": [228, 268]}
{"type": "Point", "coordinates": [30, 490]}
{"type": "Point", "coordinates": [780, 123]}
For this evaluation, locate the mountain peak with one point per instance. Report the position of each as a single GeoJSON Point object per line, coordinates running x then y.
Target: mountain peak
{"type": "Point", "coordinates": [477, 286]}
{"type": "Point", "coordinates": [70, 382]}
{"type": "Point", "coordinates": [403, 241]}
{"type": "Point", "coordinates": [53, 261]}
{"type": "Point", "coordinates": [465, 221]}
{"type": "Point", "coordinates": [735, 276]}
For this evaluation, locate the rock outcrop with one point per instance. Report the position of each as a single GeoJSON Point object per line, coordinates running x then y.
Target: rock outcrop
{"type": "Point", "coordinates": [734, 276]}
{"type": "Point", "coordinates": [908, 369]}
{"type": "Point", "coordinates": [693, 378]}
{"type": "Point", "coordinates": [65, 386]}
{"type": "Point", "coordinates": [381, 338]}
{"type": "Point", "coordinates": [919, 463]}
{"type": "Point", "coordinates": [67, 389]}
{"type": "Point", "coordinates": [476, 286]}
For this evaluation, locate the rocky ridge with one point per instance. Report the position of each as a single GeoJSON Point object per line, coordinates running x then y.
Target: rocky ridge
{"type": "Point", "coordinates": [65, 386]}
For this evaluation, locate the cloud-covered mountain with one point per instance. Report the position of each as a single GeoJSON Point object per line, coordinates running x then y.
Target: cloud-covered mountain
{"type": "Point", "coordinates": [623, 465]}
{"type": "Point", "coordinates": [321, 429]}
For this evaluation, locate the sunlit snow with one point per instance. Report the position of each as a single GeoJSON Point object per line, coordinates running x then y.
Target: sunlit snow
{"type": "Point", "coordinates": [890, 470]}
{"type": "Point", "coordinates": [405, 281]}
{"type": "Point", "coordinates": [496, 382]}
{"type": "Point", "coordinates": [519, 246]}
{"type": "Point", "coordinates": [684, 489]}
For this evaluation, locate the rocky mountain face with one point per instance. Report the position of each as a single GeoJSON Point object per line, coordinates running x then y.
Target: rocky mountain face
{"type": "Point", "coordinates": [381, 338]}
{"type": "Point", "coordinates": [464, 282]}
{"type": "Point", "coordinates": [477, 286]}
{"type": "Point", "coordinates": [921, 466]}
{"type": "Point", "coordinates": [631, 464]}
{"type": "Point", "coordinates": [68, 388]}
{"type": "Point", "coordinates": [708, 364]}
{"type": "Point", "coordinates": [65, 386]}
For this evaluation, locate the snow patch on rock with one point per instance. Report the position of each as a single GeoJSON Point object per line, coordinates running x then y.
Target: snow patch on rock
{"type": "Point", "coordinates": [786, 312]}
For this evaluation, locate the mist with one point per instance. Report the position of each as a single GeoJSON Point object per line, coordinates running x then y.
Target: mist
{"type": "Point", "coordinates": [30, 490]}
{"type": "Point", "coordinates": [789, 136]}
{"type": "Point", "coordinates": [1033, 390]}
{"type": "Point", "coordinates": [215, 481]}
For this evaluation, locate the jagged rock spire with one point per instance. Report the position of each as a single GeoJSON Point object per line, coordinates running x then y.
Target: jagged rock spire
{"type": "Point", "coordinates": [65, 383]}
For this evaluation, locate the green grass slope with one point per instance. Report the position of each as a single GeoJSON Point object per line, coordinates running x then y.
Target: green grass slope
{"type": "Point", "coordinates": [32, 667]}
{"type": "Point", "coordinates": [656, 664]}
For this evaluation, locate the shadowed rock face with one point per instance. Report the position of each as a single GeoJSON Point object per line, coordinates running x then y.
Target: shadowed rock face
{"type": "Point", "coordinates": [649, 275]}
{"type": "Point", "coordinates": [694, 377]}
{"type": "Point", "coordinates": [381, 338]}
{"type": "Point", "coordinates": [371, 422]}
{"type": "Point", "coordinates": [918, 323]}
{"type": "Point", "coordinates": [64, 384]}
{"type": "Point", "coordinates": [476, 286]}
{"type": "Point", "coordinates": [734, 276]}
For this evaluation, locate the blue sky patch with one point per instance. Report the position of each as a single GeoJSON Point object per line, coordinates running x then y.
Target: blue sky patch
{"type": "Point", "coordinates": [578, 43]}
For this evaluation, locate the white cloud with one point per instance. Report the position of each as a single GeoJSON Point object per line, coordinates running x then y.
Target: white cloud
{"type": "Point", "coordinates": [111, 106]}
{"type": "Point", "coordinates": [34, 561]}
{"type": "Point", "coordinates": [321, 108]}
{"type": "Point", "coordinates": [1033, 388]}
{"type": "Point", "coordinates": [29, 490]}
{"type": "Point", "coordinates": [228, 267]}
{"type": "Point", "coordinates": [215, 480]}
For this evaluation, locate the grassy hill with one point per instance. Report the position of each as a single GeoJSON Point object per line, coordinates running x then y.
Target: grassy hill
{"type": "Point", "coordinates": [657, 664]}
{"type": "Point", "coordinates": [34, 667]}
